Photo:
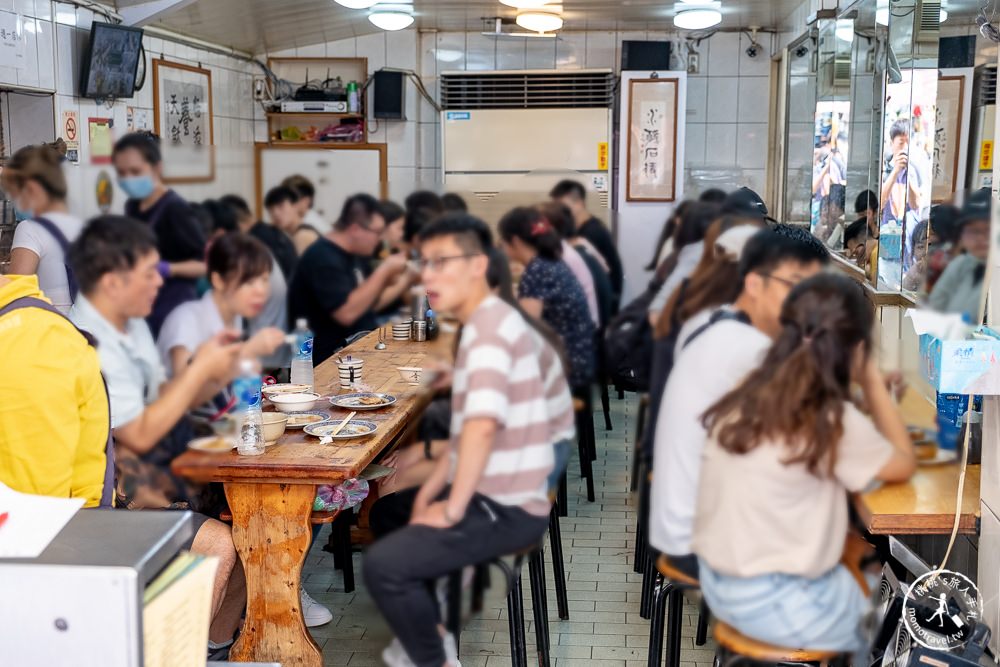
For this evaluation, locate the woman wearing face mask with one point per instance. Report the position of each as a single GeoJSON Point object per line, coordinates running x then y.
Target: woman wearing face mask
{"type": "Point", "coordinates": [34, 180]}
{"type": "Point", "coordinates": [180, 238]}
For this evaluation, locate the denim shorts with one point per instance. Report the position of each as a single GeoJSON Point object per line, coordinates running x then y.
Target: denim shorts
{"type": "Point", "coordinates": [822, 614]}
{"type": "Point", "coordinates": [561, 450]}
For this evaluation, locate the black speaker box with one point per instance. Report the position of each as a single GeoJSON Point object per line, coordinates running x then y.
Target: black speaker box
{"type": "Point", "coordinates": [389, 98]}
{"type": "Point", "coordinates": [642, 55]}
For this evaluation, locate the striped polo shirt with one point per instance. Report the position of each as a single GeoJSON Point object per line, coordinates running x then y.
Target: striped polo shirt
{"type": "Point", "coordinates": [498, 376]}
{"type": "Point", "coordinates": [558, 399]}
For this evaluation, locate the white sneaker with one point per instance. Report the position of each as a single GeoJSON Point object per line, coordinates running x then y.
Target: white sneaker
{"type": "Point", "coordinates": [313, 613]}
{"type": "Point", "coordinates": [451, 650]}
{"type": "Point", "coordinates": [394, 655]}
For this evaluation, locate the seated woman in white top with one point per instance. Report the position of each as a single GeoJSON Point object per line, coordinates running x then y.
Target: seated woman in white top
{"type": "Point", "coordinates": [239, 270]}
{"type": "Point", "coordinates": [34, 180]}
{"type": "Point", "coordinates": [784, 449]}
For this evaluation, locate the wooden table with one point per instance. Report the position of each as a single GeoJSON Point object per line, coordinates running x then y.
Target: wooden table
{"type": "Point", "coordinates": [271, 496]}
{"type": "Point", "coordinates": [924, 505]}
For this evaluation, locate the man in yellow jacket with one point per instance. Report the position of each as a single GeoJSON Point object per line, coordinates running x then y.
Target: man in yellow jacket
{"type": "Point", "coordinates": [54, 418]}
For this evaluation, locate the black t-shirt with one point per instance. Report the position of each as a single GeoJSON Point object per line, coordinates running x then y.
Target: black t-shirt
{"type": "Point", "coordinates": [594, 231]}
{"type": "Point", "coordinates": [602, 286]}
{"type": "Point", "coordinates": [280, 246]}
{"type": "Point", "coordinates": [324, 279]}
{"type": "Point", "coordinates": [179, 238]}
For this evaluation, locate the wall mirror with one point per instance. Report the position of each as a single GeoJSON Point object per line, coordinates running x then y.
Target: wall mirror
{"type": "Point", "coordinates": [800, 107]}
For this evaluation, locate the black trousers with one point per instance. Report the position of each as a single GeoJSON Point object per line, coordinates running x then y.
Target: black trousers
{"type": "Point", "coordinates": [404, 558]}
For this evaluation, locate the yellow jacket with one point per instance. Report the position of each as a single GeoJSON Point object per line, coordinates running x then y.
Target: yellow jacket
{"type": "Point", "coordinates": [53, 405]}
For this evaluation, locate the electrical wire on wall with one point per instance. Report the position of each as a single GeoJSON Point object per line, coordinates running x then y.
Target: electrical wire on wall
{"type": "Point", "coordinates": [987, 24]}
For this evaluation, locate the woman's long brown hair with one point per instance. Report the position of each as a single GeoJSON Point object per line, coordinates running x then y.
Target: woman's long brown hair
{"type": "Point", "coordinates": [714, 282]}
{"type": "Point", "coordinates": [797, 395]}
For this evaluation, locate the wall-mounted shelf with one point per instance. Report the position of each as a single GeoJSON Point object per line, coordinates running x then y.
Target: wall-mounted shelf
{"type": "Point", "coordinates": [314, 71]}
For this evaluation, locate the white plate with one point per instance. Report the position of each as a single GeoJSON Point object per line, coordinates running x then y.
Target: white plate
{"type": "Point", "coordinates": [943, 456]}
{"type": "Point", "coordinates": [323, 416]}
{"type": "Point", "coordinates": [212, 444]}
{"type": "Point", "coordinates": [353, 401]}
{"type": "Point", "coordinates": [356, 429]}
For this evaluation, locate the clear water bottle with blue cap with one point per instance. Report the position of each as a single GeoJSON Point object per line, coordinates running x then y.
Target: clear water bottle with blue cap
{"type": "Point", "coordinates": [246, 387]}
{"type": "Point", "coordinates": [302, 358]}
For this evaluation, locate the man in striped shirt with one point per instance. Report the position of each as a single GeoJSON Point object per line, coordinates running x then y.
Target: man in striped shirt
{"type": "Point", "coordinates": [489, 495]}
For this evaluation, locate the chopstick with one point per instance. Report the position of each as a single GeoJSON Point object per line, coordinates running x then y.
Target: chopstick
{"type": "Point", "coordinates": [342, 424]}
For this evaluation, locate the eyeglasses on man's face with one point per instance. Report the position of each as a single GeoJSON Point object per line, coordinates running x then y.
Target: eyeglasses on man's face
{"type": "Point", "coordinates": [436, 264]}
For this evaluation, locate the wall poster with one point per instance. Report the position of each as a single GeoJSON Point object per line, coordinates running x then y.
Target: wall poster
{"type": "Point", "coordinates": [652, 140]}
{"type": "Point", "coordinates": [948, 141]}
{"type": "Point", "coordinates": [182, 117]}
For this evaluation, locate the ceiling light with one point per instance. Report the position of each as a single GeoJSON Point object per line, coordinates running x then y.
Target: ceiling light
{"type": "Point", "coordinates": [539, 21]}
{"type": "Point", "coordinates": [393, 18]}
{"type": "Point", "coordinates": [525, 4]}
{"type": "Point", "coordinates": [356, 4]}
{"type": "Point", "coordinates": [697, 19]}
{"type": "Point", "coordinates": [943, 16]}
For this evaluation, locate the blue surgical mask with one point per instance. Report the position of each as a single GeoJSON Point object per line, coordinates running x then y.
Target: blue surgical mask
{"type": "Point", "coordinates": [23, 214]}
{"type": "Point", "coordinates": [137, 187]}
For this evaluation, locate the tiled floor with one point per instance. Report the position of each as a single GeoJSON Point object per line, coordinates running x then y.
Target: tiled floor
{"type": "Point", "coordinates": [604, 627]}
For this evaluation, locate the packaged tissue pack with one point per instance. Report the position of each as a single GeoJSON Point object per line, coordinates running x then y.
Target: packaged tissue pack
{"type": "Point", "coordinates": [969, 366]}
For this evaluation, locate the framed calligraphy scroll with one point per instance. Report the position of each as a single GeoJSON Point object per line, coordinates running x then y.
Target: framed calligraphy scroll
{"type": "Point", "coordinates": [182, 117]}
{"type": "Point", "coordinates": [652, 140]}
{"type": "Point", "coordinates": [948, 139]}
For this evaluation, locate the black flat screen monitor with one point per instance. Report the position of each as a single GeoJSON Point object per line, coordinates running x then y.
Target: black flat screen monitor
{"type": "Point", "coordinates": [109, 68]}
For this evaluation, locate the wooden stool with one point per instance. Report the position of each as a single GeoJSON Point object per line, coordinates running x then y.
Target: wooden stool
{"type": "Point", "coordinates": [670, 593]}
{"type": "Point", "coordinates": [585, 440]}
{"type": "Point", "coordinates": [733, 646]}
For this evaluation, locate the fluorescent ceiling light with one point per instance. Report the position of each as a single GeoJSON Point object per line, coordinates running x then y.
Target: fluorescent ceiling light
{"type": "Point", "coordinates": [697, 19]}
{"type": "Point", "coordinates": [943, 16]}
{"type": "Point", "coordinates": [356, 4]}
{"type": "Point", "coordinates": [539, 21]}
{"type": "Point", "coordinates": [391, 18]}
{"type": "Point", "coordinates": [525, 4]}
{"type": "Point", "coordinates": [845, 33]}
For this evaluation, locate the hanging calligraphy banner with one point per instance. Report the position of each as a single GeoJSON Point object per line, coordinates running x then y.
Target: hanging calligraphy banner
{"type": "Point", "coordinates": [652, 140]}
{"type": "Point", "coordinates": [182, 117]}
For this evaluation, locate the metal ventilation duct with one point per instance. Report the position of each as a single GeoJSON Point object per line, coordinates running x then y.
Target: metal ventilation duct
{"type": "Point", "coordinates": [576, 89]}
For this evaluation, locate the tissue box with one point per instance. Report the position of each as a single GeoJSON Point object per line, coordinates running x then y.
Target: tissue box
{"type": "Point", "coordinates": [961, 366]}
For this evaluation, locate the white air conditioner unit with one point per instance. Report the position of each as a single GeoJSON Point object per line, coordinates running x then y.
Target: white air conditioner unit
{"type": "Point", "coordinates": [517, 133]}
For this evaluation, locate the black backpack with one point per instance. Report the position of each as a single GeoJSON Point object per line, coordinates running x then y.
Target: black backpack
{"type": "Point", "coordinates": [628, 343]}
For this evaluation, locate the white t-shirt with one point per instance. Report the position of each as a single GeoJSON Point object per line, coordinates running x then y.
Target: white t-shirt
{"type": "Point", "coordinates": [189, 325]}
{"type": "Point", "coordinates": [51, 260]}
{"type": "Point", "coordinates": [571, 258]}
{"type": "Point", "coordinates": [275, 314]}
{"type": "Point", "coordinates": [711, 365]}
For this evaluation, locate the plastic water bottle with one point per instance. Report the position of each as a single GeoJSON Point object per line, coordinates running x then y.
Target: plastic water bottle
{"type": "Point", "coordinates": [302, 354]}
{"type": "Point", "coordinates": [247, 389]}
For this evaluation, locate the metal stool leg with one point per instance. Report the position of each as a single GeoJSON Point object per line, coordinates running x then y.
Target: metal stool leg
{"type": "Point", "coordinates": [586, 470]}
{"type": "Point", "coordinates": [701, 634]}
{"type": "Point", "coordinates": [515, 620]}
{"type": "Point", "coordinates": [346, 554]}
{"type": "Point", "coordinates": [650, 579]}
{"type": "Point", "coordinates": [606, 406]}
{"type": "Point", "coordinates": [675, 617]}
{"type": "Point", "coordinates": [558, 565]}
{"type": "Point", "coordinates": [562, 500]}
{"type": "Point", "coordinates": [659, 604]}
{"type": "Point", "coordinates": [480, 582]}
{"type": "Point", "coordinates": [537, 579]}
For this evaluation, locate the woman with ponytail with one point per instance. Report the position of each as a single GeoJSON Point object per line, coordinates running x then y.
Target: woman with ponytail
{"type": "Point", "coordinates": [784, 448]}
{"type": "Point", "coordinates": [548, 291]}
{"type": "Point", "coordinates": [34, 180]}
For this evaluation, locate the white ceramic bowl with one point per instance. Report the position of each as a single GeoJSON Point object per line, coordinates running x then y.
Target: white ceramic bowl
{"type": "Point", "coordinates": [410, 374]}
{"type": "Point", "coordinates": [294, 402]}
{"type": "Point", "coordinates": [274, 425]}
{"type": "Point", "coordinates": [270, 390]}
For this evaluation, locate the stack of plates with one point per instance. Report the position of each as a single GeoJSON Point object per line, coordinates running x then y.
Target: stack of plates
{"type": "Point", "coordinates": [401, 330]}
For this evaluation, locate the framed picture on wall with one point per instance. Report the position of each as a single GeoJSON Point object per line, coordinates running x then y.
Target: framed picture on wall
{"type": "Point", "coordinates": [948, 139]}
{"type": "Point", "coordinates": [652, 140]}
{"type": "Point", "coordinates": [182, 117]}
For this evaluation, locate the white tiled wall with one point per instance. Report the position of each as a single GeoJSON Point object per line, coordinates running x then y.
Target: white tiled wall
{"type": "Point", "coordinates": [727, 110]}
{"type": "Point", "coordinates": [53, 64]}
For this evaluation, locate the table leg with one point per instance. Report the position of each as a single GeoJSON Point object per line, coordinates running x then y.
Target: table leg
{"type": "Point", "coordinates": [271, 532]}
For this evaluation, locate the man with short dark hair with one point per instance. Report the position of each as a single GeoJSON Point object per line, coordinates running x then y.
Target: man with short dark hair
{"type": "Point", "coordinates": [745, 203]}
{"type": "Point", "coordinates": [715, 351]}
{"type": "Point", "coordinates": [307, 202]}
{"type": "Point", "coordinates": [490, 496]}
{"type": "Point", "coordinates": [573, 195]}
{"type": "Point", "coordinates": [334, 288]}
{"type": "Point", "coordinates": [115, 263]}
{"type": "Point", "coordinates": [284, 207]}
{"type": "Point", "coordinates": [276, 240]}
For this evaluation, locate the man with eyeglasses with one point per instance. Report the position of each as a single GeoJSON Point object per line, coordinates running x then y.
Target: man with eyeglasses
{"type": "Point", "coordinates": [715, 350]}
{"type": "Point", "coordinates": [960, 287]}
{"type": "Point", "coordinates": [333, 286]}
